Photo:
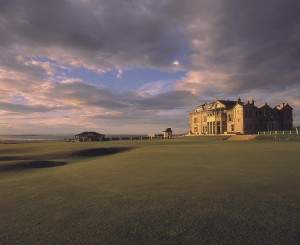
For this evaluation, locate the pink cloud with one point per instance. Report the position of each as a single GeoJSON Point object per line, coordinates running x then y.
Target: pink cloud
{"type": "Point", "coordinates": [200, 82]}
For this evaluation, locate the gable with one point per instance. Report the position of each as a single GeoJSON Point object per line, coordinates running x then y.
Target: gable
{"type": "Point", "coordinates": [238, 106]}
{"type": "Point", "coordinates": [287, 107]}
{"type": "Point", "coordinates": [223, 104]}
{"type": "Point", "coordinates": [265, 107]}
{"type": "Point", "coordinates": [217, 105]}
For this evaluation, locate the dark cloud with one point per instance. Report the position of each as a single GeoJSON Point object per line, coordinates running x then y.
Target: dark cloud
{"type": "Point", "coordinates": [90, 95]}
{"type": "Point", "coordinates": [20, 108]}
{"type": "Point", "coordinates": [103, 33]}
{"type": "Point", "coordinates": [150, 122]}
{"type": "Point", "coordinates": [127, 109]}
{"type": "Point", "coordinates": [257, 43]}
{"type": "Point", "coordinates": [167, 101]}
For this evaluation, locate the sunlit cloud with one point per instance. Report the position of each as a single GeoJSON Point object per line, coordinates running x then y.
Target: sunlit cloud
{"type": "Point", "coordinates": [119, 73]}
{"type": "Point", "coordinates": [176, 63]}
{"type": "Point", "coordinates": [204, 83]}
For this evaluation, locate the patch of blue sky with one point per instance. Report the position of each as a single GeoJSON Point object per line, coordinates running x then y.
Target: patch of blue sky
{"type": "Point", "coordinates": [19, 99]}
{"type": "Point", "coordinates": [133, 79]}
{"type": "Point", "coordinates": [130, 80]}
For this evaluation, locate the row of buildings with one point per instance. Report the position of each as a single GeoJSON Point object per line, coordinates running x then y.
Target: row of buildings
{"type": "Point", "coordinates": [94, 136]}
{"type": "Point", "coordinates": [237, 117]}
{"type": "Point", "coordinates": [226, 117]}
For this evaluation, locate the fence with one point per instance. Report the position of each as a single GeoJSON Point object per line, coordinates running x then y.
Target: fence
{"type": "Point", "coordinates": [280, 132]}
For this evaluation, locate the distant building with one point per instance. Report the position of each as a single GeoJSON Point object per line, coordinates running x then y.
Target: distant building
{"type": "Point", "coordinates": [155, 136]}
{"type": "Point", "coordinates": [237, 117]}
{"type": "Point", "coordinates": [168, 133]}
{"type": "Point", "coordinates": [89, 136]}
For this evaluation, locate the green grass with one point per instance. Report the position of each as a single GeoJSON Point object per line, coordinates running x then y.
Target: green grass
{"type": "Point", "coordinates": [192, 190]}
{"type": "Point", "coordinates": [279, 137]}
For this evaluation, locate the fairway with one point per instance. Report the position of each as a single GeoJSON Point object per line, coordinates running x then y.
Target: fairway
{"type": "Point", "coordinates": [191, 190]}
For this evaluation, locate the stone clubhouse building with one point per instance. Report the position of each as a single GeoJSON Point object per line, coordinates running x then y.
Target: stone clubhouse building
{"type": "Point", "coordinates": [237, 117]}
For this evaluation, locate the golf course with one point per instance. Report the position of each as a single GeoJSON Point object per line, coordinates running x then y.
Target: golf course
{"type": "Point", "coordinates": [187, 190]}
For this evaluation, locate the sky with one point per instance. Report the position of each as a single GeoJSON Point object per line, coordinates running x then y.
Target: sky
{"type": "Point", "coordinates": [140, 66]}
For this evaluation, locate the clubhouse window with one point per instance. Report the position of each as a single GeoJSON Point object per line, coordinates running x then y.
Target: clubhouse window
{"type": "Point", "coordinates": [232, 127]}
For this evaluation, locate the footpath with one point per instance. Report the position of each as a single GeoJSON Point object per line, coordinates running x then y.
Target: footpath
{"type": "Point", "coordinates": [242, 137]}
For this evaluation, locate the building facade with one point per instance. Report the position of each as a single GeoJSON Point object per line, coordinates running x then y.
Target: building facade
{"type": "Point", "coordinates": [168, 133]}
{"type": "Point", "coordinates": [237, 117]}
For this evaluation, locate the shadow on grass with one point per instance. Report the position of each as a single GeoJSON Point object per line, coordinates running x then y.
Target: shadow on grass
{"type": "Point", "coordinates": [96, 152]}
{"type": "Point", "coordinates": [30, 165]}
{"type": "Point", "coordinates": [47, 160]}
{"type": "Point", "coordinates": [11, 158]}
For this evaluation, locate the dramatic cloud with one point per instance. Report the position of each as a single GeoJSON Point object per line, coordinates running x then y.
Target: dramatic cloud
{"type": "Point", "coordinates": [224, 49]}
{"type": "Point", "coordinates": [98, 35]}
{"type": "Point", "coordinates": [256, 44]}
